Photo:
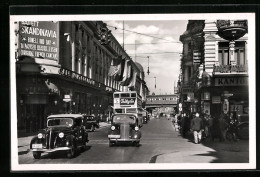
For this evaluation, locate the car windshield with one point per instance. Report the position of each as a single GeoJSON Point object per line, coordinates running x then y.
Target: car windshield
{"type": "Point", "coordinates": [124, 119]}
{"type": "Point", "coordinates": [60, 122]}
{"type": "Point", "coordinates": [89, 118]}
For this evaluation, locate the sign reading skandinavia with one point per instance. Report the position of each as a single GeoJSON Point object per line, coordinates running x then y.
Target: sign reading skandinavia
{"type": "Point", "coordinates": [39, 39]}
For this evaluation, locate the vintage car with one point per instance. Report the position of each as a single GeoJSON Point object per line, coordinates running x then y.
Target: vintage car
{"type": "Point", "coordinates": [243, 126]}
{"type": "Point", "coordinates": [124, 128]}
{"type": "Point", "coordinates": [90, 122]}
{"type": "Point", "coordinates": [64, 132]}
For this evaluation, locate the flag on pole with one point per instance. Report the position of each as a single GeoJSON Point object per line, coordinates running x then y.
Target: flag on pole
{"type": "Point", "coordinates": [115, 66]}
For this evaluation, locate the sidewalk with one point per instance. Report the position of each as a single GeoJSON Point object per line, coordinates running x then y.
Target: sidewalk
{"type": "Point", "coordinates": [208, 152]}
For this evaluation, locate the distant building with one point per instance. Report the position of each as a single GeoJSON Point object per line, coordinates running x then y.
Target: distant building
{"type": "Point", "coordinates": [161, 103]}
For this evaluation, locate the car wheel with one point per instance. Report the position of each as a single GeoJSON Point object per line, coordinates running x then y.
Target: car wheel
{"type": "Point", "coordinates": [84, 147]}
{"type": "Point", "coordinates": [71, 152]}
{"type": "Point", "coordinates": [37, 155]}
{"type": "Point", "coordinates": [110, 144]}
{"type": "Point", "coordinates": [136, 144]}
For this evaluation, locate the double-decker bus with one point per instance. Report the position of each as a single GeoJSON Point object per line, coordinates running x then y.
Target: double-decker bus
{"type": "Point", "coordinates": [129, 103]}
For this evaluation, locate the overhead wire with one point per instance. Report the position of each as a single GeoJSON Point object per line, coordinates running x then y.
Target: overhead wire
{"type": "Point", "coordinates": [143, 34]}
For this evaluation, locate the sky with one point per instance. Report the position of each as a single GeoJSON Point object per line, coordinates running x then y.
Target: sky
{"type": "Point", "coordinates": [163, 49]}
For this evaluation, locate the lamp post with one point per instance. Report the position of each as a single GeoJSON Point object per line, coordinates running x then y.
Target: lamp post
{"type": "Point", "coordinates": [155, 82]}
{"type": "Point", "coordinates": [148, 72]}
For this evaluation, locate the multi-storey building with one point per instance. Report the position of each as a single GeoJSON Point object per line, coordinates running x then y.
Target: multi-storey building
{"type": "Point", "coordinates": [62, 67]}
{"type": "Point", "coordinates": [221, 79]}
{"type": "Point", "coordinates": [193, 41]}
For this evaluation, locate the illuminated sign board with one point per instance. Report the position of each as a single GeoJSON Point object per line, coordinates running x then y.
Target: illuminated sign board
{"type": "Point", "coordinates": [39, 39]}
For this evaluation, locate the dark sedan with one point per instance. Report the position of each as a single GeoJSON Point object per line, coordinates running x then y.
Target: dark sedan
{"type": "Point", "coordinates": [64, 132]}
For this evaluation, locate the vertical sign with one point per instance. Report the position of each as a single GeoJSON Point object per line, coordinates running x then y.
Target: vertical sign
{"type": "Point", "coordinates": [207, 108]}
{"type": "Point", "coordinates": [39, 39]}
{"type": "Point", "coordinates": [196, 57]}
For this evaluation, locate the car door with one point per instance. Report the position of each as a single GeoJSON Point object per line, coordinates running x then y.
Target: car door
{"type": "Point", "coordinates": [78, 130]}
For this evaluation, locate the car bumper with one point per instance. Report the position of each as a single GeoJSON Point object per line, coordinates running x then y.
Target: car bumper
{"type": "Point", "coordinates": [124, 140]}
{"type": "Point", "coordinates": [51, 150]}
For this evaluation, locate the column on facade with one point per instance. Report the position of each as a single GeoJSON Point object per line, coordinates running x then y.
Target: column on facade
{"type": "Point", "coordinates": [246, 45]}
{"type": "Point", "coordinates": [85, 54]}
{"type": "Point", "coordinates": [210, 47]}
{"type": "Point", "coordinates": [80, 58]}
{"type": "Point", "coordinates": [73, 48]}
{"type": "Point", "coordinates": [232, 53]}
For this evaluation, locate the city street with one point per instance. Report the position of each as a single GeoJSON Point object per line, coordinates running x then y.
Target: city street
{"type": "Point", "coordinates": [160, 143]}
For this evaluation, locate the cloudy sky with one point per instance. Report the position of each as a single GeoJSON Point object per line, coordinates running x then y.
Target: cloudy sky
{"type": "Point", "coordinates": [163, 49]}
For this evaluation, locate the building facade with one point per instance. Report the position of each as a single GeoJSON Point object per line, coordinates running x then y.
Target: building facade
{"type": "Point", "coordinates": [221, 77]}
{"type": "Point", "coordinates": [193, 45]}
{"type": "Point", "coordinates": [63, 67]}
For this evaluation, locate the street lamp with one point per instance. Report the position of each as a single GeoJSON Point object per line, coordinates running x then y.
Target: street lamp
{"type": "Point", "coordinates": [155, 82]}
{"type": "Point", "coordinates": [148, 72]}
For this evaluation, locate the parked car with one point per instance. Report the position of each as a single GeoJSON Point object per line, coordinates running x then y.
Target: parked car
{"type": "Point", "coordinates": [64, 132]}
{"type": "Point", "coordinates": [90, 122]}
{"type": "Point", "coordinates": [243, 126]}
{"type": "Point", "coordinates": [124, 128]}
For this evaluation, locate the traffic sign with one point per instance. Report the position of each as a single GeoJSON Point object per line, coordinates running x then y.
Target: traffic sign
{"type": "Point", "coordinates": [180, 109]}
{"type": "Point", "coordinates": [67, 99]}
{"type": "Point", "coordinates": [180, 105]}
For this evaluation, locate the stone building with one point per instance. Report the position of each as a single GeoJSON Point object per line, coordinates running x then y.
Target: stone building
{"type": "Point", "coordinates": [219, 72]}
{"type": "Point", "coordinates": [63, 67]}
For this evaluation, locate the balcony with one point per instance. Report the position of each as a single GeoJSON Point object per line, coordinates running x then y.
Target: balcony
{"type": "Point", "coordinates": [234, 69]}
{"type": "Point", "coordinates": [232, 30]}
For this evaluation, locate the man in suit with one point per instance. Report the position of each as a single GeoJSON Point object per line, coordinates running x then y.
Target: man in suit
{"type": "Point", "coordinates": [196, 127]}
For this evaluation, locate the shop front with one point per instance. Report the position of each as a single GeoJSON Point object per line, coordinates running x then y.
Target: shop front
{"type": "Point", "coordinates": [226, 94]}
{"type": "Point", "coordinates": [40, 95]}
{"type": "Point", "coordinates": [230, 94]}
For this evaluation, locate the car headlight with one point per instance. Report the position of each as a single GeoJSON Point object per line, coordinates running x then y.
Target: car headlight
{"type": "Point", "coordinates": [40, 135]}
{"type": "Point", "coordinates": [61, 134]}
{"type": "Point", "coordinates": [136, 128]}
{"type": "Point", "coordinates": [113, 128]}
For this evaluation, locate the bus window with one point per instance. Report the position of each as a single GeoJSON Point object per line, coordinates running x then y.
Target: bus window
{"type": "Point", "coordinates": [133, 95]}
{"type": "Point", "coordinates": [116, 95]}
{"type": "Point", "coordinates": [119, 111]}
{"type": "Point", "coordinates": [125, 95]}
{"type": "Point", "coordinates": [131, 110]}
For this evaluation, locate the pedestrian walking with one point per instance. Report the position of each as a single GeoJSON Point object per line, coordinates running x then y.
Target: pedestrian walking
{"type": "Point", "coordinates": [223, 127]}
{"type": "Point", "coordinates": [210, 124]}
{"type": "Point", "coordinates": [196, 127]}
{"type": "Point", "coordinates": [233, 122]}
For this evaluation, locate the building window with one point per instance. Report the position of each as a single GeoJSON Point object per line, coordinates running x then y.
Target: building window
{"type": "Point", "coordinates": [240, 53]}
{"type": "Point", "coordinates": [223, 53]}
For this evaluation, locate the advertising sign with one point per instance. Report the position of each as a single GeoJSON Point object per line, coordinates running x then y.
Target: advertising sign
{"type": "Point", "coordinates": [207, 108]}
{"type": "Point", "coordinates": [39, 39]}
{"type": "Point", "coordinates": [127, 101]}
{"type": "Point", "coordinates": [234, 81]}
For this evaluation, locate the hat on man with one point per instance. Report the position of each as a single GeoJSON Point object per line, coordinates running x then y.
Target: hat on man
{"type": "Point", "coordinates": [197, 114]}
